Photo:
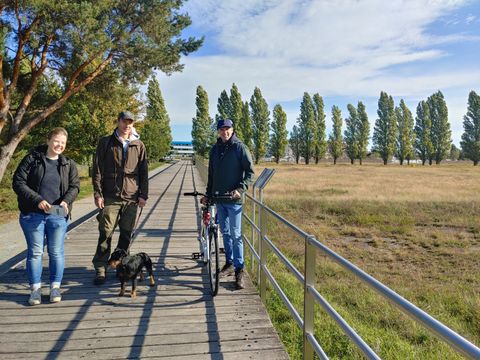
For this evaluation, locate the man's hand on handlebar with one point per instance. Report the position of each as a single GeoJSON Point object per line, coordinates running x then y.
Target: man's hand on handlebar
{"type": "Point", "coordinates": [204, 200]}
{"type": "Point", "coordinates": [235, 194]}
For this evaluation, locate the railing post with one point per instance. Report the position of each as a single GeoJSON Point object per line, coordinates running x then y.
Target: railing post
{"type": "Point", "coordinates": [253, 230]}
{"type": "Point", "coordinates": [308, 300]}
{"type": "Point", "coordinates": [262, 248]}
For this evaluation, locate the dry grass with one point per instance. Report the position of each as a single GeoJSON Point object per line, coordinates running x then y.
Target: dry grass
{"type": "Point", "coordinates": [415, 228]}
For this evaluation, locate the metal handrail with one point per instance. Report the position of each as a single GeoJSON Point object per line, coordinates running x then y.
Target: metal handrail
{"type": "Point", "coordinates": [455, 340]}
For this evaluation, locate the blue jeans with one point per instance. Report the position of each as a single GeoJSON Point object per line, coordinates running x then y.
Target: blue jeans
{"type": "Point", "coordinates": [40, 229]}
{"type": "Point", "coordinates": [230, 222]}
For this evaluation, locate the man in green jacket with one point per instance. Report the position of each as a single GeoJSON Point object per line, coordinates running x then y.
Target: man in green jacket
{"type": "Point", "coordinates": [230, 171]}
{"type": "Point", "coordinates": [120, 184]}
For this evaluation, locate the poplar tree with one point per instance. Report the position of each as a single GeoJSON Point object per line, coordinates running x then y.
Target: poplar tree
{"type": "Point", "coordinates": [423, 129]}
{"type": "Point", "coordinates": [224, 106]}
{"type": "Point", "coordinates": [335, 141]}
{"type": "Point", "coordinates": [441, 134]}
{"type": "Point", "coordinates": [260, 121]}
{"type": "Point", "coordinates": [385, 130]}
{"type": "Point", "coordinates": [320, 128]}
{"type": "Point", "coordinates": [294, 142]}
{"type": "Point", "coordinates": [75, 42]}
{"type": "Point", "coordinates": [278, 139]}
{"type": "Point", "coordinates": [236, 110]}
{"type": "Point", "coordinates": [307, 128]}
{"type": "Point", "coordinates": [405, 139]}
{"type": "Point", "coordinates": [471, 125]}
{"type": "Point", "coordinates": [351, 134]}
{"type": "Point", "coordinates": [247, 126]}
{"type": "Point", "coordinates": [156, 133]}
{"type": "Point", "coordinates": [203, 133]}
{"type": "Point", "coordinates": [363, 131]}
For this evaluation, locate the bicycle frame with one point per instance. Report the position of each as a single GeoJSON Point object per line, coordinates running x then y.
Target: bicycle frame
{"type": "Point", "coordinates": [208, 239]}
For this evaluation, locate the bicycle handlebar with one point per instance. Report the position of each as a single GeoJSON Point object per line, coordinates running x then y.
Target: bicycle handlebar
{"type": "Point", "coordinates": [226, 196]}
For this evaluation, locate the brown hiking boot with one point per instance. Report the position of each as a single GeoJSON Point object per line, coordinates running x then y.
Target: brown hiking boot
{"type": "Point", "coordinates": [100, 276]}
{"type": "Point", "coordinates": [239, 282]}
{"type": "Point", "coordinates": [227, 270]}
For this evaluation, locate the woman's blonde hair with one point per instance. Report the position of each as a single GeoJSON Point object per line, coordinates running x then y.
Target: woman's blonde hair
{"type": "Point", "coordinates": [57, 131]}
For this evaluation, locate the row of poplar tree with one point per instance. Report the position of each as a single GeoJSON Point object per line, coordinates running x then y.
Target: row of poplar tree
{"type": "Point", "coordinates": [395, 134]}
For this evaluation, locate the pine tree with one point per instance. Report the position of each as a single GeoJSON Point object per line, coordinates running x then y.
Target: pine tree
{"type": "Point", "coordinates": [278, 139]}
{"type": "Point", "coordinates": [351, 133]}
{"type": "Point", "coordinates": [75, 43]}
{"type": "Point", "coordinates": [454, 153]}
{"type": "Point", "coordinates": [260, 120]}
{"type": "Point", "coordinates": [236, 108]}
{"type": "Point", "coordinates": [441, 134]}
{"type": "Point", "coordinates": [363, 131]}
{"type": "Point", "coordinates": [203, 134]}
{"type": "Point", "coordinates": [156, 133]}
{"type": "Point", "coordinates": [385, 130]}
{"type": "Point", "coordinates": [294, 142]}
{"type": "Point", "coordinates": [224, 106]}
{"type": "Point", "coordinates": [307, 128]}
{"type": "Point", "coordinates": [471, 129]}
{"type": "Point", "coordinates": [320, 129]}
{"type": "Point", "coordinates": [405, 139]}
{"type": "Point", "coordinates": [423, 129]}
{"type": "Point", "coordinates": [335, 141]}
{"type": "Point", "coordinates": [247, 127]}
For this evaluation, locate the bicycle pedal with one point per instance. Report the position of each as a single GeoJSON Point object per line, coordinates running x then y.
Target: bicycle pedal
{"type": "Point", "coordinates": [196, 255]}
{"type": "Point", "coordinates": [222, 250]}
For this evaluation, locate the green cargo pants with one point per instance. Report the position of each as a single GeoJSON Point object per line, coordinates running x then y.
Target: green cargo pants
{"type": "Point", "coordinates": [116, 211]}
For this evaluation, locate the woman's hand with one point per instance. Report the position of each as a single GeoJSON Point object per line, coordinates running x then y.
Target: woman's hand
{"type": "Point", "coordinates": [65, 206]}
{"type": "Point", "coordinates": [44, 205]}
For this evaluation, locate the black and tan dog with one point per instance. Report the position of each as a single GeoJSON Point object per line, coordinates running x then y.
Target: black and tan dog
{"type": "Point", "coordinates": [129, 267]}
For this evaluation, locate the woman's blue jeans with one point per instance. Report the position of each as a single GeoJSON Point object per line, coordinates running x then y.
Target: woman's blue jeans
{"type": "Point", "coordinates": [40, 229]}
{"type": "Point", "coordinates": [230, 222]}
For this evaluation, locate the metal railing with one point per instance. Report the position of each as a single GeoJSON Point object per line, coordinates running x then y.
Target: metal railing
{"type": "Point", "coordinates": [308, 279]}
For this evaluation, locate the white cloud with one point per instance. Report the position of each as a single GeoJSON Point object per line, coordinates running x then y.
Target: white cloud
{"type": "Point", "coordinates": [336, 48]}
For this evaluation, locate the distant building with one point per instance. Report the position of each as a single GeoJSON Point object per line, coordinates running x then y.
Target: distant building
{"type": "Point", "coordinates": [181, 149]}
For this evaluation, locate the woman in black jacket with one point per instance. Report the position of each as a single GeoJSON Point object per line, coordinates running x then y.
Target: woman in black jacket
{"type": "Point", "coordinates": [46, 184]}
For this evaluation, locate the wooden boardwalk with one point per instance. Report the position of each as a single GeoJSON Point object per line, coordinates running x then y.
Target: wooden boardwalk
{"type": "Point", "coordinates": [175, 319]}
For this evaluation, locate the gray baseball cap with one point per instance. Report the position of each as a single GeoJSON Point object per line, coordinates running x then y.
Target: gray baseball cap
{"type": "Point", "coordinates": [126, 115]}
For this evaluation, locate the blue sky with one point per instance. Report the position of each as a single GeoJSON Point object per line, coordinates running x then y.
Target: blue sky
{"type": "Point", "coordinates": [345, 50]}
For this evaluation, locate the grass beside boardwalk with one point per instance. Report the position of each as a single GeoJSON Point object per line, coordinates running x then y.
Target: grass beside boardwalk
{"type": "Point", "coordinates": [8, 199]}
{"type": "Point", "coordinates": [414, 228]}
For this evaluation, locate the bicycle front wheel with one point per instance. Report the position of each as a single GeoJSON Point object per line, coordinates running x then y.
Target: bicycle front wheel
{"type": "Point", "coordinates": [213, 264]}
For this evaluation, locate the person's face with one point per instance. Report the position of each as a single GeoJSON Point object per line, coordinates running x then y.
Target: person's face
{"type": "Point", "coordinates": [125, 127]}
{"type": "Point", "coordinates": [225, 133]}
{"type": "Point", "coordinates": [56, 144]}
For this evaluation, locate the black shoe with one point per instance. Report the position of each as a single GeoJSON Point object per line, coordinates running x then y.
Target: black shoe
{"type": "Point", "coordinates": [100, 278]}
{"type": "Point", "coordinates": [227, 270]}
{"type": "Point", "coordinates": [239, 281]}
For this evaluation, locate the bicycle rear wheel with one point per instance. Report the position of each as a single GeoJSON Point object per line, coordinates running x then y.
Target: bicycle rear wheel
{"type": "Point", "coordinates": [213, 264]}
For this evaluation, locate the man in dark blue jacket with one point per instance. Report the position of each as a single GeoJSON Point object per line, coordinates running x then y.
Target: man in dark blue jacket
{"type": "Point", "coordinates": [230, 171]}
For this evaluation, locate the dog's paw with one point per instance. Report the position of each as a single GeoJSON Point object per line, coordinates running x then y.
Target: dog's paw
{"type": "Point", "coordinates": [121, 293]}
{"type": "Point", "coordinates": [152, 280]}
{"type": "Point", "coordinates": [134, 294]}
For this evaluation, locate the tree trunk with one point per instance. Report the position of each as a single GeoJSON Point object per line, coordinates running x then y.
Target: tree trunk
{"type": "Point", "coordinates": [401, 161]}
{"type": "Point", "coordinates": [352, 161]}
{"type": "Point", "coordinates": [6, 153]}
{"type": "Point", "coordinates": [334, 161]}
{"type": "Point", "coordinates": [475, 162]}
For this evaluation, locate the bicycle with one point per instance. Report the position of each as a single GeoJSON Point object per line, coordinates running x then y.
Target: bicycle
{"type": "Point", "coordinates": [208, 238]}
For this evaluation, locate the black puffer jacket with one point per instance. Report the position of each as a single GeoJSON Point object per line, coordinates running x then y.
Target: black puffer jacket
{"type": "Point", "coordinates": [29, 175]}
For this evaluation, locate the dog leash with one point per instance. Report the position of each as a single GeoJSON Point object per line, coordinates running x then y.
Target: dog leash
{"type": "Point", "coordinates": [134, 231]}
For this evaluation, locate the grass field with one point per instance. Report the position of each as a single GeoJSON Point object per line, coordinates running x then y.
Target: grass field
{"type": "Point", "coordinates": [414, 228]}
